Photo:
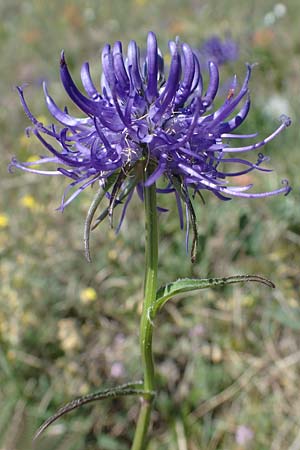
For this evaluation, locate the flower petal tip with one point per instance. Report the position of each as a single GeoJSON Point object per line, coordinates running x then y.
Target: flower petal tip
{"type": "Point", "coordinates": [285, 120]}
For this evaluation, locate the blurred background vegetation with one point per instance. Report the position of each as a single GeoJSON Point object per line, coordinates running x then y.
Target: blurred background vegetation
{"type": "Point", "coordinates": [228, 360]}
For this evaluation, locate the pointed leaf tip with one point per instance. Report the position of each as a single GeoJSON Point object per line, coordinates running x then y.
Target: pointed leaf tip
{"type": "Point", "coordinates": [180, 286]}
{"type": "Point", "coordinates": [118, 391]}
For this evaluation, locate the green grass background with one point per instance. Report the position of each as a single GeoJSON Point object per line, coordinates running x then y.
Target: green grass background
{"type": "Point", "coordinates": [225, 358]}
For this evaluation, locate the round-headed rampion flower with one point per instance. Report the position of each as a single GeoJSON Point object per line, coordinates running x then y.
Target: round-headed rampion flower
{"type": "Point", "coordinates": [140, 116]}
{"type": "Point", "coordinates": [218, 51]}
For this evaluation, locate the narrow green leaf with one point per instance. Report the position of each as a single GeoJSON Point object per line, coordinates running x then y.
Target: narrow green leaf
{"type": "Point", "coordinates": [192, 284]}
{"type": "Point", "coordinates": [118, 391]}
{"type": "Point", "coordinates": [91, 212]}
{"type": "Point", "coordinates": [130, 184]}
{"type": "Point", "coordinates": [184, 195]}
{"type": "Point", "coordinates": [88, 221]}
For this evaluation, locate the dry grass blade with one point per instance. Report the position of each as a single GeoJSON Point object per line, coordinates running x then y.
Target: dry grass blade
{"type": "Point", "coordinates": [229, 392]}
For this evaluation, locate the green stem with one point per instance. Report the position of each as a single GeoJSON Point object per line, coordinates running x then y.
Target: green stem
{"type": "Point", "coordinates": [146, 326]}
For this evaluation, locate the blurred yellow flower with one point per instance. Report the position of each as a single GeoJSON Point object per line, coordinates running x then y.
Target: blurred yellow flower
{"type": "Point", "coordinates": [248, 300]}
{"type": "Point", "coordinates": [112, 255]}
{"type": "Point", "coordinates": [28, 319]}
{"type": "Point", "coordinates": [3, 220]}
{"type": "Point", "coordinates": [11, 355]}
{"type": "Point", "coordinates": [68, 335]}
{"type": "Point", "coordinates": [84, 389]}
{"type": "Point", "coordinates": [29, 202]}
{"type": "Point", "coordinates": [33, 158]}
{"type": "Point", "coordinates": [111, 235]}
{"type": "Point", "coordinates": [42, 119]}
{"type": "Point", "coordinates": [24, 141]}
{"type": "Point", "coordinates": [167, 59]}
{"type": "Point", "coordinates": [216, 354]}
{"type": "Point", "coordinates": [88, 295]}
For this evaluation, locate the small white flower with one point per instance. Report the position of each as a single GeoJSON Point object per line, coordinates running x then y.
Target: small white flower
{"type": "Point", "coordinates": [276, 105]}
{"type": "Point", "coordinates": [269, 19]}
{"type": "Point", "coordinates": [280, 10]}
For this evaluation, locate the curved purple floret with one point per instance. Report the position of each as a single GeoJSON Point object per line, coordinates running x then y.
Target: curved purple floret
{"type": "Point", "coordinates": [139, 115]}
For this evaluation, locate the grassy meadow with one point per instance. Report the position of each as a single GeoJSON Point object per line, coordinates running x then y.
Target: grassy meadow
{"type": "Point", "coordinates": [228, 359]}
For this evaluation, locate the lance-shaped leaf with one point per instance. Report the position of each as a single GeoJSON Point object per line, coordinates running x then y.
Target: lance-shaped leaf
{"type": "Point", "coordinates": [191, 284]}
{"type": "Point", "coordinates": [88, 221]}
{"type": "Point", "coordinates": [184, 196]}
{"type": "Point", "coordinates": [129, 185]}
{"type": "Point", "coordinates": [91, 213]}
{"type": "Point", "coordinates": [118, 391]}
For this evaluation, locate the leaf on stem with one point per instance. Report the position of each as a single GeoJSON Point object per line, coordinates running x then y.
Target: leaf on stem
{"type": "Point", "coordinates": [88, 221]}
{"type": "Point", "coordinates": [184, 196]}
{"type": "Point", "coordinates": [118, 391]}
{"type": "Point", "coordinates": [191, 284]}
{"type": "Point", "coordinates": [108, 211]}
{"type": "Point", "coordinates": [91, 212]}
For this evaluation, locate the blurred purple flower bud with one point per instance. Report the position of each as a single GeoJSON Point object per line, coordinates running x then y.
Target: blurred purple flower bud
{"type": "Point", "coordinates": [117, 370]}
{"type": "Point", "coordinates": [218, 51]}
{"type": "Point", "coordinates": [243, 435]}
{"type": "Point", "coordinates": [197, 331]}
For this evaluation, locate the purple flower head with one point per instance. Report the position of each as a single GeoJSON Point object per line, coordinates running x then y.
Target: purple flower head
{"type": "Point", "coordinates": [218, 51]}
{"type": "Point", "coordinates": [142, 116]}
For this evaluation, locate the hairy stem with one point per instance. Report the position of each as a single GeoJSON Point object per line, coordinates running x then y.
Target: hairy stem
{"type": "Point", "coordinates": [146, 326]}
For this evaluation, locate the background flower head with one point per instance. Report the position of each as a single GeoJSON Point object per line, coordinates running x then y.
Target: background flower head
{"type": "Point", "coordinates": [220, 51]}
